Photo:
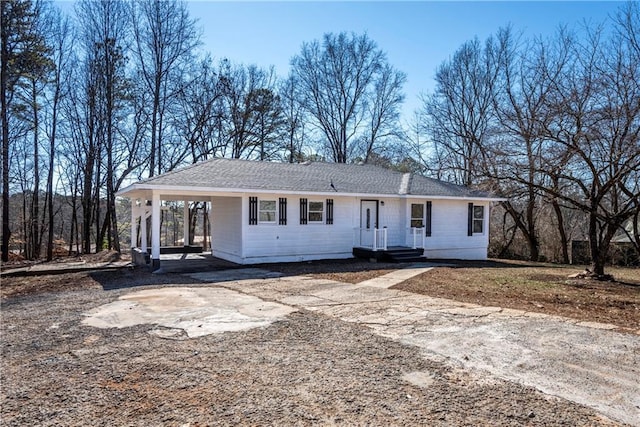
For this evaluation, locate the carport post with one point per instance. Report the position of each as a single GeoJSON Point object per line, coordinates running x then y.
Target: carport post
{"type": "Point", "coordinates": [155, 231]}
{"type": "Point", "coordinates": [210, 214]}
{"type": "Point", "coordinates": [134, 216]}
{"type": "Point", "coordinates": [185, 227]}
{"type": "Point", "coordinates": [143, 228]}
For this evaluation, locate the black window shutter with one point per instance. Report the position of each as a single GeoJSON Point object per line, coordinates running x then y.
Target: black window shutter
{"type": "Point", "coordinates": [329, 211]}
{"type": "Point", "coordinates": [253, 210]}
{"type": "Point", "coordinates": [303, 211]}
{"type": "Point", "coordinates": [470, 221]}
{"type": "Point", "coordinates": [427, 222]}
{"type": "Point", "coordinates": [282, 211]}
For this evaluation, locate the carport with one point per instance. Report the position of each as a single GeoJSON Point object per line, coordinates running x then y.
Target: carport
{"type": "Point", "coordinates": [146, 212]}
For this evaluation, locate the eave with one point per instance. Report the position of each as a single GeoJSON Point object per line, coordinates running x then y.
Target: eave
{"type": "Point", "coordinates": [178, 192]}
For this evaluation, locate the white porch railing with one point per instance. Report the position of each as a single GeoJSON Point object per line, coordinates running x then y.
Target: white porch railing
{"type": "Point", "coordinates": [416, 238]}
{"type": "Point", "coordinates": [380, 239]}
{"type": "Point", "coordinates": [370, 238]}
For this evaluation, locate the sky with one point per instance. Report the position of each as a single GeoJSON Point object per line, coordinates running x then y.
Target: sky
{"type": "Point", "coordinates": [417, 36]}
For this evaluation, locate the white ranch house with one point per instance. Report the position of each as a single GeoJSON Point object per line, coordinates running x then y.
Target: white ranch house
{"type": "Point", "coordinates": [263, 212]}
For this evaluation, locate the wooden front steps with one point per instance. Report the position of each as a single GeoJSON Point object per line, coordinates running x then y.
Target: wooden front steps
{"type": "Point", "coordinates": [391, 254]}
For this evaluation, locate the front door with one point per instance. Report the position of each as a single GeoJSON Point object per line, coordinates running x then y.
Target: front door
{"type": "Point", "coordinates": [368, 222]}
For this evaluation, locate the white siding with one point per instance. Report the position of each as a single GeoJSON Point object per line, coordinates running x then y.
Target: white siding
{"type": "Point", "coordinates": [235, 240]}
{"type": "Point", "coordinates": [449, 237]}
{"type": "Point", "coordinates": [301, 242]}
{"type": "Point", "coordinates": [226, 228]}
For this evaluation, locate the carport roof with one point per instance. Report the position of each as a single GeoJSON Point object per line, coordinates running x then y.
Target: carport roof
{"type": "Point", "coordinates": [235, 175]}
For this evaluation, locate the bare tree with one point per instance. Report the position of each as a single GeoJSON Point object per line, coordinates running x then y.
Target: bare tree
{"type": "Point", "coordinates": [522, 95]}
{"type": "Point", "coordinates": [421, 156]}
{"type": "Point", "coordinates": [61, 41]}
{"type": "Point", "coordinates": [251, 112]}
{"type": "Point", "coordinates": [104, 33]}
{"type": "Point", "coordinates": [383, 108]}
{"type": "Point", "coordinates": [627, 25]}
{"type": "Point", "coordinates": [294, 119]}
{"type": "Point", "coordinates": [338, 80]}
{"type": "Point", "coordinates": [460, 111]}
{"type": "Point", "coordinates": [596, 131]}
{"type": "Point", "coordinates": [196, 119]}
{"type": "Point", "coordinates": [165, 38]}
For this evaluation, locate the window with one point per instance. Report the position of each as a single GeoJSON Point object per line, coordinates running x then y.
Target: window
{"type": "Point", "coordinates": [311, 212]}
{"type": "Point", "coordinates": [267, 211]}
{"type": "Point", "coordinates": [478, 219]}
{"type": "Point", "coordinates": [417, 215]}
{"type": "Point", "coordinates": [316, 211]}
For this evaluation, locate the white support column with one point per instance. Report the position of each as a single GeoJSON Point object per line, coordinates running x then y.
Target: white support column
{"type": "Point", "coordinates": [185, 226]}
{"type": "Point", "coordinates": [211, 225]}
{"type": "Point", "coordinates": [143, 227]}
{"type": "Point", "coordinates": [243, 228]}
{"type": "Point", "coordinates": [134, 216]}
{"type": "Point", "coordinates": [155, 231]}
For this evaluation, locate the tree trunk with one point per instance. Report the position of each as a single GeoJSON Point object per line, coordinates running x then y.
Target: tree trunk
{"type": "Point", "coordinates": [597, 261]}
{"type": "Point", "coordinates": [532, 238]}
{"type": "Point", "coordinates": [636, 231]}
{"type": "Point", "coordinates": [106, 230]}
{"type": "Point", "coordinates": [561, 231]}
{"type": "Point", "coordinates": [96, 203]}
{"type": "Point", "coordinates": [35, 204]}
{"type": "Point", "coordinates": [512, 230]}
{"type": "Point", "coordinates": [87, 208]}
{"type": "Point", "coordinates": [599, 243]}
{"type": "Point", "coordinates": [193, 222]}
{"type": "Point", "coordinates": [154, 127]}
{"type": "Point", "coordinates": [4, 69]}
{"type": "Point", "coordinates": [110, 215]}
{"type": "Point", "coordinates": [74, 224]}
{"type": "Point", "coordinates": [527, 230]}
{"type": "Point", "coordinates": [52, 152]}
{"type": "Point", "coordinates": [25, 225]}
{"type": "Point", "coordinates": [114, 225]}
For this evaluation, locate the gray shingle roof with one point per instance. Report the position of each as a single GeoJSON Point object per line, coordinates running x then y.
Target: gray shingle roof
{"type": "Point", "coordinates": [312, 177]}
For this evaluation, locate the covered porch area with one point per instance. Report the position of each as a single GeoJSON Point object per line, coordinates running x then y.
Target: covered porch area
{"type": "Point", "coordinates": [172, 230]}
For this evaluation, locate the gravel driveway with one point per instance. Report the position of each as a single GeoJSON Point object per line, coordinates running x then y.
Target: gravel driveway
{"type": "Point", "coordinates": [579, 361]}
{"type": "Point", "coordinates": [349, 355]}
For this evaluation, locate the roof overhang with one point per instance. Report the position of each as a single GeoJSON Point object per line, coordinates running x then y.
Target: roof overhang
{"type": "Point", "coordinates": [176, 192]}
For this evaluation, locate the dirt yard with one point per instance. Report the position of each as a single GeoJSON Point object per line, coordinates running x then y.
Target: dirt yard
{"type": "Point", "coordinates": [542, 288]}
{"type": "Point", "coordinates": [307, 369]}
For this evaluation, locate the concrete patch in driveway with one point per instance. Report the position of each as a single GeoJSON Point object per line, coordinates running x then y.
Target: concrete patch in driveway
{"type": "Point", "coordinates": [196, 311]}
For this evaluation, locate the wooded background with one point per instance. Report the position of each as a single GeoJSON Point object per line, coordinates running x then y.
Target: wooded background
{"type": "Point", "coordinates": [121, 90]}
